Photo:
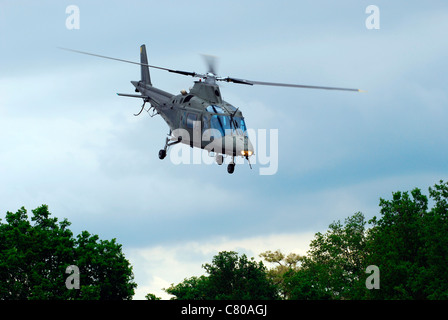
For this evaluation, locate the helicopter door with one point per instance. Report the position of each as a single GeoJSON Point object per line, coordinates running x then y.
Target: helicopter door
{"type": "Point", "coordinates": [194, 127]}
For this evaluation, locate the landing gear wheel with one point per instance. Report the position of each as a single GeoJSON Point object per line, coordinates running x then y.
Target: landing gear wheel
{"type": "Point", "coordinates": [162, 154]}
{"type": "Point", "coordinates": [219, 159]}
{"type": "Point", "coordinates": [231, 168]}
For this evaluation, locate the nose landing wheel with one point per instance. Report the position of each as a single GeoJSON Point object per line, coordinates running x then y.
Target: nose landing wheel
{"type": "Point", "coordinates": [231, 166]}
{"type": "Point", "coordinates": [162, 154]}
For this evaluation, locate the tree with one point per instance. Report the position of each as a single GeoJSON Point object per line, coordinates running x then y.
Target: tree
{"type": "Point", "coordinates": [334, 267]}
{"type": "Point", "coordinates": [409, 244]}
{"type": "Point", "coordinates": [436, 242]}
{"type": "Point", "coordinates": [151, 296]}
{"type": "Point", "coordinates": [194, 288]}
{"type": "Point", "coordinates": [105, 272]}
{"type": "Point", "coordinates": [34, 258]}
{"type": "Point", "coordinates": [307, 283]}
{"type": "Point", "coordinates": [230, 277]}
{"type": "Point", "coordinates": [283, 265]}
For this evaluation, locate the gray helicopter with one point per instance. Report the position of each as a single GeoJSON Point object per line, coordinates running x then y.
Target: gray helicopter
{"type": "Point", "coordinates": [199, 118]}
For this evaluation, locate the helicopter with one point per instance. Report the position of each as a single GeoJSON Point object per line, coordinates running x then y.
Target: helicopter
{"type": "Point", "coordinates": [199, 118]}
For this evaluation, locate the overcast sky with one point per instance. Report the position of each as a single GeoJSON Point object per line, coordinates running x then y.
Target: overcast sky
{"type": "Point", "coordinates": [67, 140]}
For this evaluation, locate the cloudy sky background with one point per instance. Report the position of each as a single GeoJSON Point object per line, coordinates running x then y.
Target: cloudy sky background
{"type": "Point", "coordinates": [67, 140]}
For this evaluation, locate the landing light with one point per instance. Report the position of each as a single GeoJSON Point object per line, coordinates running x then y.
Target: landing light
{"type": "Point", "coordinates": [246, 153]}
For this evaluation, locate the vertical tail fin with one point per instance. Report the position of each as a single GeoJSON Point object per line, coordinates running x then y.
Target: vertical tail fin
{"type": "Point", "coordinates": [144, 69]}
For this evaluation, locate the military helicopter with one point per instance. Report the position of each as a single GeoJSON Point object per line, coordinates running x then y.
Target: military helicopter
{"type": "Point", "coordinates": [199, 118]}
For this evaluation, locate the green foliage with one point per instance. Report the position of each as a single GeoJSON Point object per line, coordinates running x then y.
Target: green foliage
{"type": "Point", "coordinates": [34, 257]}
{"type": "Point", "coordinates": [153, 297]}
{"type": "Point", "coordinates": [105, 272]}
{"type": "Point", "coordinates": [283, 265]}
{"type": "Point", "coordinates": [334, 266]}
{"type": "Point", "coordinates": [409, 244]}
{"type": "Point", "coordinates": [194, 288]}
{"type": "Point", "coordinates": [230, 277]}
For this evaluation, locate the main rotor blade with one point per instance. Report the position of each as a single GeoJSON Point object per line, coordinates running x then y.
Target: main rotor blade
{"type": "Point", "coordinates": [185, 73]}
{"type": "Point", "coordinates": [211, 64]}
{"type": "Point", "coordinates": [276, 84]}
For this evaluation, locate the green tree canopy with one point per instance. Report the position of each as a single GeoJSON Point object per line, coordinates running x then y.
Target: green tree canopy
{"type": "Point", "coordinates": [34, 256]}
{"type": "Point", "coordinates": [334, 265]}
{"type": "Point", "coordinates": [283, 265]}
{"type": "Point", "coordinates": [409, 244]}
{"type": "Point", "coordinates": [230, 277]}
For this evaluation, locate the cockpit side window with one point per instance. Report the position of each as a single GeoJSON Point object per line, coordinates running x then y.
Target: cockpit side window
{"type": "Point", "coordinates": [191, 118]}
{"type": "Point", "coordinates": [221, 121]}
{"type": "Point", "coordinates": [205, 123]}
{"type": "Point", "coordinates": [215, 109]}
{"type": "Point", "coordinates": [216, 123]}
{"type": "Point", "coordinates": [243, 125]}
{"type": "Point", "coordinates": [240, 123]}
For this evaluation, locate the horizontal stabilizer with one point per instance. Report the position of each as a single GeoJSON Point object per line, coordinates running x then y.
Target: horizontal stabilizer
{"type": "Point", "coordinates": [133, 96]}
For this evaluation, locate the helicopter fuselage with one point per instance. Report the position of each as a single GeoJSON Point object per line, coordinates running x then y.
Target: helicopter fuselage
{"type": "Point", "coordinates": [200, 118]}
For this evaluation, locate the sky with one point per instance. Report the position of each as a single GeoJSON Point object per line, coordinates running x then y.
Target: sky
{"type": "Point", "coordinates": [68, 141]}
